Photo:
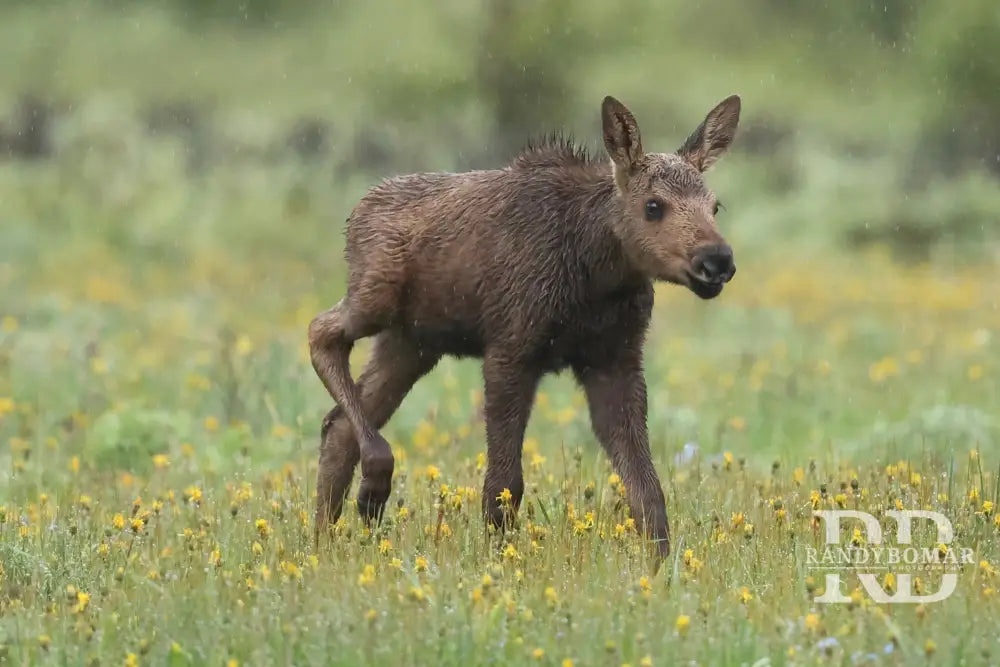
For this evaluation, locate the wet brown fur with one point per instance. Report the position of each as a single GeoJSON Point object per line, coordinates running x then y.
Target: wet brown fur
{"type": "Point", "coordinates": [543, 265]}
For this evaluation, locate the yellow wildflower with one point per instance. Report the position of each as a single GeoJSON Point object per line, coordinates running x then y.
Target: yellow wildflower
{"type": "Point", "coordinates": [291, 570]}
{"type": "Point", "coordinates": [883, 369]}
{"type": "Point", "coordinates": [82, 601]}
{"type": "Point", "coordinates": [192, 494]}
{"type": "Point", "coordinates": [367, 575]}
{"type": "Point", "coordinates": [99, 366]}
{"type": "Point", "coordinates": [564, 416]}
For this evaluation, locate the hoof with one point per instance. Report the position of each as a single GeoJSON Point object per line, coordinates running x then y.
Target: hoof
{"type": "Point", "coordinates": [661, 552]}
{"type": "Point", "coordinates": [377, 465]}
{"type": "Point", "coordinates": [663, 548]}
{"type": "Point", "coordinates": [372, 496]}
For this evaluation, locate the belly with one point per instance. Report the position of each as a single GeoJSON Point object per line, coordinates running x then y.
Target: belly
{"type": "Point", "coordinates": [443, 318]}
{"type": "Point", "coordinates": [456, 339]}
{"type": "Point", "coordinates": [447, 338]}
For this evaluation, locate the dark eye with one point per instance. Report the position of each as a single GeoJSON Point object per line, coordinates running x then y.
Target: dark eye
{"type": "Point", "coordinates": [718, 205]}
{"type": "Point", "coordinates": [654, 210]}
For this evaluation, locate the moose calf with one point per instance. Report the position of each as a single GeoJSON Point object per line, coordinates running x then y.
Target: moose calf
{"type": "Point", "coordinates": [543, 265]}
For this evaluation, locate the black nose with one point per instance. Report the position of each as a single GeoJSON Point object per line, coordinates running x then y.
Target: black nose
{"type": "Point", "coordinates": [714, 263]}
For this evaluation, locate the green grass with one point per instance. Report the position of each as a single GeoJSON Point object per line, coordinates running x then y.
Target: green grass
{"type": "Point", "coordinates": [153, 365]}
{"type": "Point", "coordinates": [171, 322]}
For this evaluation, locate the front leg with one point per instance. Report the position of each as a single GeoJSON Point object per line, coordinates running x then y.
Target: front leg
{"type": "Point", "coordinates": [510, 385]}
{"type": "Point", "coordinates": [616, 396]}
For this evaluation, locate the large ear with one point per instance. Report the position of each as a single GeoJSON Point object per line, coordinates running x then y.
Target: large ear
{"type": "Point", "coordinates": [712, 138]}
{"type": "Point", "coordinates": [621, 135]}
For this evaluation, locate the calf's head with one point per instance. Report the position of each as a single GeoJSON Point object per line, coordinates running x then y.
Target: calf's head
{"type": "Point", "coordinates": [667, 225]}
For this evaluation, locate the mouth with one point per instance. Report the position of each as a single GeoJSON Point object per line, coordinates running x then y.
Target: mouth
{"type": "Point", "coordinates": [704, 288]}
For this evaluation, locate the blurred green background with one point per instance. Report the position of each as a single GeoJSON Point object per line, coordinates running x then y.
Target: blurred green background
{"type": "Point", "coordinates": [864, 121]}
{"type": "Point", "coordinates": [174, 180]}
{"type": "Point", "coordinates": [175, 175]}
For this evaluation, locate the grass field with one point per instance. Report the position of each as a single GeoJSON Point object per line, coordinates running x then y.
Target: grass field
{"type": "Point", "coordinates": [162, 422]}
{"type": "Point", "coordinates": [159, 418]}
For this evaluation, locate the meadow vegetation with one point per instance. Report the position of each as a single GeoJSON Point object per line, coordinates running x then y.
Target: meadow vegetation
{"type": "Point", "coordinates": [159, 419]}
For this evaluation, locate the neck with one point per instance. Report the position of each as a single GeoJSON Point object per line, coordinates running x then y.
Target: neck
{"type": "Point", "coordinates": [599, 218]}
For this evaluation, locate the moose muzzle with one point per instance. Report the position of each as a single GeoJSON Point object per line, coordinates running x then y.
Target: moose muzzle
{"type": "Point", "coordinates": [714, 264]}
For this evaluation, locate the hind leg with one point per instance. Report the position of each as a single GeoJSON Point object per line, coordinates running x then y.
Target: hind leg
{"type": "Point", "coordinates": [395, 365]}
{"type": "Point", "coordinates": [331, 337]}
{"type": "Point", "coordinates": [338, 457]}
